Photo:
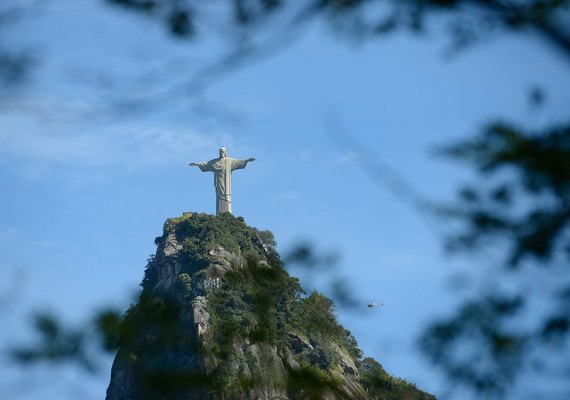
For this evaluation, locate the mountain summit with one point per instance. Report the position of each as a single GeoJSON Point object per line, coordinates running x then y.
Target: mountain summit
{"type": "Point", "coordinates": [219, 318]}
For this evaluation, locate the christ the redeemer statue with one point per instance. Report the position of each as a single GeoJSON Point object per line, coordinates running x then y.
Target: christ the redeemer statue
{"type": "Point", "coordinates": [222, 168]}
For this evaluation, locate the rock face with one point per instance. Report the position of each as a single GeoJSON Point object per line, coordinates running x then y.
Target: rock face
{"type": "Point", "coordinates": [219, 318]}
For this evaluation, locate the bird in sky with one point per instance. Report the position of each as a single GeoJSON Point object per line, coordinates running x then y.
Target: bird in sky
{"type": "Point", "coordinates": [374, 305]}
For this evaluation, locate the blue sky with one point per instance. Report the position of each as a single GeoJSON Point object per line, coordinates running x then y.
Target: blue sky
{"type": "Point", "coordinates": [86, 189]}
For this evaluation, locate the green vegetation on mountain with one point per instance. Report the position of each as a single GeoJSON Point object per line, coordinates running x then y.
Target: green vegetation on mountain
{"type": "Point", "coordinates": [219, 317]}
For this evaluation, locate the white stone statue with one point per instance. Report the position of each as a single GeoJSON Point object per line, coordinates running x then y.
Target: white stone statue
{"type": "Point", "coordinates": [222, 168]}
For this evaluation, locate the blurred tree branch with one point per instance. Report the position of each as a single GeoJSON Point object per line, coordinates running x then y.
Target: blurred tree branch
{"type": "Point", "coordinates": [16, 62]}
{"type": "Point", "coordinates": [537, 174]}
{"type": "Point", "coordinates": [520, 207]}
{"type": "Point", "coordinates": [361, 19]}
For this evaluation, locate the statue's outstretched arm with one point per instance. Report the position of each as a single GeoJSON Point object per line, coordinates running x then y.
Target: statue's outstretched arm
{"type": "Point", "coordinates": [240, 164]}
{"type": "Point", "coordinates": [204, 166]}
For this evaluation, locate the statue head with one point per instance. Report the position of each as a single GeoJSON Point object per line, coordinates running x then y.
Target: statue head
{"type": "Point", "coordinates": [223, 152]}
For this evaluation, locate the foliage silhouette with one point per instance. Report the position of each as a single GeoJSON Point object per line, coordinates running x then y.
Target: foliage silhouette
{"type": "Point", "coordinates": [520, 206]}
{"type": "Point", "coordinates": [467, 20]}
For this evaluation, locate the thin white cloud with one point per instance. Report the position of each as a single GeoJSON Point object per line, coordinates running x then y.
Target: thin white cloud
{"type": "Point", "coordinates": [305, 155]}
{"type": "Point", "coordinates": [8, 234]}
{"type": "Point", "coordinates": [126, 144]}
{"type": "Point", "coordinates": [47, 244]}
{"type": "Point", "coordinates": [349, 156]}
{"type": "Point", "coordinates": [289, 195]}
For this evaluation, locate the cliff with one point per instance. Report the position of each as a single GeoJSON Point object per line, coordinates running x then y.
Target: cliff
{"type": "Point", "coordinates": [219, 318]}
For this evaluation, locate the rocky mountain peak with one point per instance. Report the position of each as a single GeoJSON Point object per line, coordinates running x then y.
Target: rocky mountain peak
{"type": "Point", "coordinates": [219, 318]}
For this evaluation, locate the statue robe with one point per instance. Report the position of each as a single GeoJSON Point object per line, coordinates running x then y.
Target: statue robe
{"type": "Point", "coordinates": [222, 169]}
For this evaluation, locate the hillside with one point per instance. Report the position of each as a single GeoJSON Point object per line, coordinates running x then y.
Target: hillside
{"type": "Point", "coordinates": [219, 318]}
